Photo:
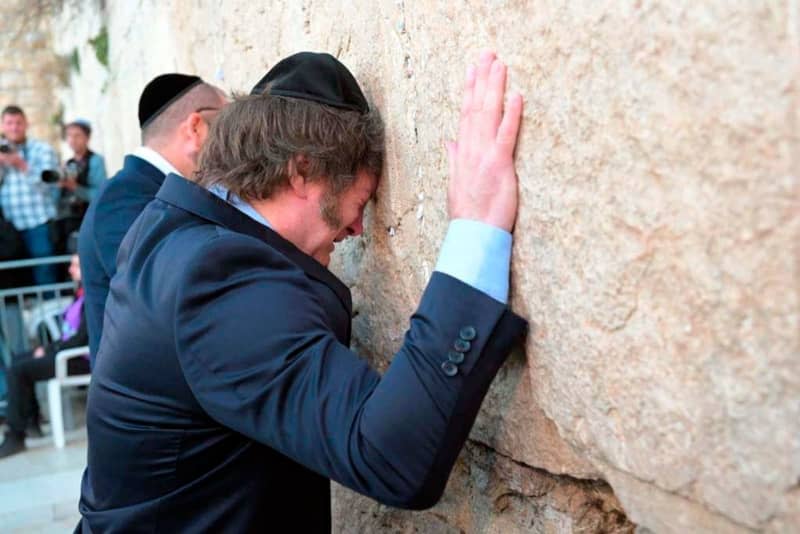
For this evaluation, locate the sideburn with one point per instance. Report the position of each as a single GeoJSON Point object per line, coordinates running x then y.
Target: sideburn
{"type": "Point", "coordinates": [329, 209]}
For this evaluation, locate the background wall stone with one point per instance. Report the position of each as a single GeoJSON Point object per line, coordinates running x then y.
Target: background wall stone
{"type": "Point", "coordinates": [30, 70]}
{"type": "Point", "coordinates": [655, 253]}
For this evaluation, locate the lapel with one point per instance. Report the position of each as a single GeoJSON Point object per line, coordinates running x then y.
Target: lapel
{"type": "Point", "coordinates": [190, 197]}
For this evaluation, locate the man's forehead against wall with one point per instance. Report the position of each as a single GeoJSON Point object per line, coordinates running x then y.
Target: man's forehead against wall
{"type": "Point", "coordinates": [302, 147]}
{"type": "Point", "coordinates": [308, 116]}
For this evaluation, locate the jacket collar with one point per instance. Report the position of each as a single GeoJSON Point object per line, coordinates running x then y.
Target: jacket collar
{"type": "Point", "coordinates": [155, 159]}
{"type": "Point", "coordinates": [194, 199]}
{"type": "Point", "coordinates": [139, 166]}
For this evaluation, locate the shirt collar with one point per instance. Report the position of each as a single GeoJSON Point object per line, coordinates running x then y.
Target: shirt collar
{"type": "Point", "coordinates": [155, 159]}
{"type": "Point", "coordinates": [235, 201]}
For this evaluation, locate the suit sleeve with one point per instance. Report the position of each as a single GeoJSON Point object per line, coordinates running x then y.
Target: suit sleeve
{"type": "Point", "coordinates": [257, 353]}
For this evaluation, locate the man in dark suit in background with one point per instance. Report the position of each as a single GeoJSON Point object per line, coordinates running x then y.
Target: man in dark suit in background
{"type": "Point", "coordinates": [225, 395]}
{"type": "Point", "coordinates": [174, 114]}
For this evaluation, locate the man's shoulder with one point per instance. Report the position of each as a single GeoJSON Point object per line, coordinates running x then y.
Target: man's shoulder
{"type": "Point", "coordinates": [193, 254]}
{"type": "Point", "coordinates": [38, 145]}
{"type": "Point", "coordinates": [188, 232]}
{"type": "Point", "coordinates": [136, 170]}
{"type": "Point", "coordinates": [34, 141]}
{"type": "Point", "coordinates": [190, 240]}
{"type": "Point", "coordinates": [132, 184]}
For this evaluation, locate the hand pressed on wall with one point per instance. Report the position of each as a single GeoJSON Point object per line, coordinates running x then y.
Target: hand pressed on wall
{"type": "Point", "coordinates": [483, 181]}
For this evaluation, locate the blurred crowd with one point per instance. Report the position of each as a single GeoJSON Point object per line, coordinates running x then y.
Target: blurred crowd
{"type": "Point", "coordinates": [42, 201]}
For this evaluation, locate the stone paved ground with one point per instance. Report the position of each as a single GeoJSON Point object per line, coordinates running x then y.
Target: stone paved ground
{"type": "Point", "coordinates": [39, 488]}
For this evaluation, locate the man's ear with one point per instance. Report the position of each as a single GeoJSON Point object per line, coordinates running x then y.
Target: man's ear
{"type": "Point", "coordinates": [195, 128]}
{"type": "Point", "coordinates": [298, 170]}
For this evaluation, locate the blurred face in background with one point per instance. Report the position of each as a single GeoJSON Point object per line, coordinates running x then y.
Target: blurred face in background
{"type": "Point", "coordinates": [77, 139]}
{"type": "Point", "coordinates": [75, 268]}
{"type": "Point", "coordinates": [14, 126]}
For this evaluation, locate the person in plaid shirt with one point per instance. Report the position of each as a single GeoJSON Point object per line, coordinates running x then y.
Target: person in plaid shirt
{"type": "Point", "coordinates": [28, 202]}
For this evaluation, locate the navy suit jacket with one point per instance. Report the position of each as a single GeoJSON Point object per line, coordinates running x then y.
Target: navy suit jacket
{"type": "Point", "coordinates": [108, 218]}
{"type": "Point", "coordinates": [225, 395]}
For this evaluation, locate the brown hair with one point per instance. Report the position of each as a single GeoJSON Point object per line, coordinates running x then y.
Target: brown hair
{"type": "Point", "coordinates": [12, 110]}
{"type": "Point", "coordinates": [253, 142]}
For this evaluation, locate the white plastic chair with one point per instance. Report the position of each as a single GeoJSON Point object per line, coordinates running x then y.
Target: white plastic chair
{"type": "Point", "coordinates": [47, 313]}
{"type": "Point", "coordinates": [59, 382]}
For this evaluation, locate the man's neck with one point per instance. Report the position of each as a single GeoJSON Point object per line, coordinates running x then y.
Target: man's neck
{"type": "Point", "coordinates": [184, 166]}
{"type": "Point", "coordinates": [170, 158]}
{"type": "Point", "coordinates": [284, 217]}
{"type": "Point", "coordinates": [82, 154]}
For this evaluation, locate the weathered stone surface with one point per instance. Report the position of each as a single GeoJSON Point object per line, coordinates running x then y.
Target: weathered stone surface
{"type": "Point", "coordinates": [656, 250]}
{"type": "Point", "coordinates": [26, 63]}
{"type": "Point", "coordinates": [509, 407]}
{"type": "Point", "coordinates": [491, 493]}
{"type": "Point", "coordinates": [667, 512]}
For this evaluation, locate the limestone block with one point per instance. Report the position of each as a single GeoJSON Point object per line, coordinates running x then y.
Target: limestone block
{"type": "Point", "coordinates": [665, 512]}
{"type": "Point", "coordinates": [490, 493]}
{"type": "Point", "coordinates": [511, 406]}
{"type": "Point", "coordinates": [26, 68]}
{"type": "Point", "coordinates": [35, 40]}
{"type": "Point", "coordinates": [11, 79]}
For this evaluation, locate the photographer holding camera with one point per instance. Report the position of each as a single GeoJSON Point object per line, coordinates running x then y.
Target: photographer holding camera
{"type": "Point", "coordinates": [28, 202]}
{"type": "Point", "coordinates": [79, 179]}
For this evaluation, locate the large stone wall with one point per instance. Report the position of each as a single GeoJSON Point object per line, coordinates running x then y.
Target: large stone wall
{"type": "Point", "coordinates": [656, 251]}
{"type": "Point", "coordinates": [30, 71]}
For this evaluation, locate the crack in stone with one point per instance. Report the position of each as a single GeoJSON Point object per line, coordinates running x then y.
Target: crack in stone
{"type": "Point", "coordinates": [566, 477]}
{"type": "Point", "coordinates": [589, 503]}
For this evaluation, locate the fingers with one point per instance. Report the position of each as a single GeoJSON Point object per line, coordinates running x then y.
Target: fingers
{"type": "Point", "coordinates": [469, 88]}
{"type": "Point", "coordinates": [484, 117]}
{"type": "Point", "coordinates": [481, 79]}
{"type": "Point", "coordinates": [509, 126]}
{"type": "Point", "coordinates": [482, 107]}
{"type": "Point", "coordinates": [466, 102]}
{"type": "Point", "coordinates": [493, 101]}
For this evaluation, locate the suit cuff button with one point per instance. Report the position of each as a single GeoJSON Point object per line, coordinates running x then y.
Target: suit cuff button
{"type": "Point", "coordinates": [467, 333]}
{"type": "Point", "coordinates": [449, 368]}
{"type": "Point", "coordinates": [455, 357]}
{"type": "Point", "coordinates": [462, 345]}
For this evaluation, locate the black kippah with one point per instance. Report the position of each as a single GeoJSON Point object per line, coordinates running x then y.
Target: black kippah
{"type": "Point", "coordinates": [161, 92]}
{"type": "Point", "coordinates": [312, 76]}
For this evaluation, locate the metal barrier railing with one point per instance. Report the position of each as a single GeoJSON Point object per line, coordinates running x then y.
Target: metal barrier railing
{"type": "Point", "coordinates": [29, 315]}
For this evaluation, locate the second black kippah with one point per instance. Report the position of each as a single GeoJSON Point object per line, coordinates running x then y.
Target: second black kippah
{"type": "Point", "coordinates": [161, 92]}
{"type": "Point", "coordinates": [314, 76]}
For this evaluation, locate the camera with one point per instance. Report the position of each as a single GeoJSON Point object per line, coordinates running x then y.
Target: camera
{"type": "Point", "coordinates": [5, 148]}
{"type": "Point", "coordinates": [51, 176]}
{"type": "Point", "coordinates": [70, 171]}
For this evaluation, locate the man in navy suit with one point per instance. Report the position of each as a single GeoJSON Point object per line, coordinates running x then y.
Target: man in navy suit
{"type": "Point", "coordinates": [225, 396]}
{"type": "Point", "coordinates": [174, 115]}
